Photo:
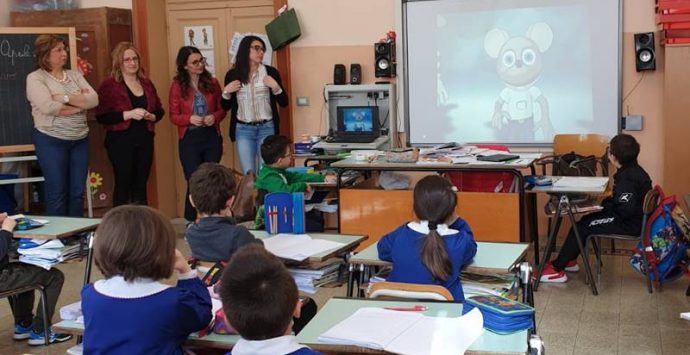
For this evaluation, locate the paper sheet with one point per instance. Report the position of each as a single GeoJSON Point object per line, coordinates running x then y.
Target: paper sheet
{"type": "Point", "coordinates": [407, 332]}
{"type": "Point", "coordinates": [581, 181]}
{"type": "Point", "coordinates": [298, 246]}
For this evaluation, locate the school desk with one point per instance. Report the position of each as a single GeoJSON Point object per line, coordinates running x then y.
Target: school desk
{"type": "Point", "coordinates": [562, 194]}
{"type": "Point", "coordinates": [499, 258]}
{"type": "Point", "coordinates": [349, 243]}
{"type": "Point", "coordinates": [337, 309]}
{"type": "Point", "coordinates": [495, 217]}
{"type": "Point", "coordinates": [62, 227]}
{"type": "Point", "coordinates": [211, 340]}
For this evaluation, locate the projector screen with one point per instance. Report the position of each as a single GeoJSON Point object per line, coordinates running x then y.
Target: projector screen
{"type": "Point", "coordinates": [513, 72]}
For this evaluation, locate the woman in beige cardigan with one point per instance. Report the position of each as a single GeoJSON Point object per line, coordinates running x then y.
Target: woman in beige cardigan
{"type": "Point", "coordinates": [59, 99]}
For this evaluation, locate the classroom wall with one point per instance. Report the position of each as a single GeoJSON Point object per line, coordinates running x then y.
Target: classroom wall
{"type": "Point", "coordinates": [344, 32]}
{"type": "Point", "coordinates": [5, 7]}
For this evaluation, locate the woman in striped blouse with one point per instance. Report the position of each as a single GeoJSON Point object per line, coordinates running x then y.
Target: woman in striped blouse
{"type": "Point", "coordinates": [252, 92]}
{"type": "Point", "coordinates": [59, 99]}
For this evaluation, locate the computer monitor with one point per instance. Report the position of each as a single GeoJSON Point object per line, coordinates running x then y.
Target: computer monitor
{"type": "Point", "coordinates": [358, 122]}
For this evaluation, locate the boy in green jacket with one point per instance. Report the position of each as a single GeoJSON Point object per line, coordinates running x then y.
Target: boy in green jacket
{"type": "Point", "coordinates": [273, 176]}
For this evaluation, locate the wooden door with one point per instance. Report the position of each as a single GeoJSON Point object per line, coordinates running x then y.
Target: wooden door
{"type": "Point", "coordinates": [225, 18]}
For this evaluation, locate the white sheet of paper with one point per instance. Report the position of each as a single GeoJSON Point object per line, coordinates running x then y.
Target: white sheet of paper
{"type": "Point", "coordinates": [298, 246]}
{"type": "Point", "coordinates": [405, 333]}
{"type": "Point", "coordinates": [440, 335]}
{"type": "Point", "coordinates": [370, 327]}
{"type": "Point", "coordinates": [581, 181]}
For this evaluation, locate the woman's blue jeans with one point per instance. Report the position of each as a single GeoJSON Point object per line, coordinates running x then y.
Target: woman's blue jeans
{"type": "Point", "coordinates": [249, 139]}
{"type": "Point", "coordinates": [64, 164]}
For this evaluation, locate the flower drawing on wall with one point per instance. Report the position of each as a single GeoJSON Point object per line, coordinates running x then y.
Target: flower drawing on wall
{"type": "Point", "coordinates": [95, 181]}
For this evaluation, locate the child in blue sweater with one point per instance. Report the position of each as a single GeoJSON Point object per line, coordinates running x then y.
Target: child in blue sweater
{"type": "Point", "coordinates": [131, 311]}
{"type": "Point", "coordinates": [260, 299]}
{"type": "Point", "coordinates": [430, 251]}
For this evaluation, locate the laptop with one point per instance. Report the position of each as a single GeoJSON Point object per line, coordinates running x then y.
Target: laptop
{"type": "Point", "coordinates": [357, 124]}
{"type": "Point", "coordinates": [497, 158]}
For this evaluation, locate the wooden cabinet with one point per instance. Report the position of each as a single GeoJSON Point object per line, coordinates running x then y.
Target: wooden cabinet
{"type": "Point", "coordinates": [98, 31]}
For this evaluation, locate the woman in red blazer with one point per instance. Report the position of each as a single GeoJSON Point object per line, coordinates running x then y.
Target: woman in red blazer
{"type": "Point", "coordinates": [196, 111]}
{"type": "Point", "coordinates": [129, 108]}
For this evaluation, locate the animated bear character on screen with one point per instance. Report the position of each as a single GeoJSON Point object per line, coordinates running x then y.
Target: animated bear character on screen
{"type": "Point", "coordinates": [519, 64]}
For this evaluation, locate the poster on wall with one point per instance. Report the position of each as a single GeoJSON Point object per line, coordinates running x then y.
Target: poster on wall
{"type": "Point", "coordinates": [198, 36]}
{"type": "Point", "coordinates": [235, 44]}
{"type": "Point", "coordinates": [210, 60]}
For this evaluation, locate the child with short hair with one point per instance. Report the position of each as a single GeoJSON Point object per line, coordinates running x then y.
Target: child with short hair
{"type": "Point", "coordinates": [622, 213]}
{"type": "Point", "coordinates": [131, 311]}
{"type": "Point", "coordinates": [260, 299]}
{"type": "Point", "coordinates": [429, 251]}
{"type": "Point", "coordinates": [274, 177]}
{"type": "Point", "coordinates": [17, 275]}
{"type": "Point", "coordinates": [215, 236]}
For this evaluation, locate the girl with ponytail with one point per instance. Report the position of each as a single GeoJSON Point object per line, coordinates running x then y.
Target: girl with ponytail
{"type": "Point", "coordinates": [435, 248]}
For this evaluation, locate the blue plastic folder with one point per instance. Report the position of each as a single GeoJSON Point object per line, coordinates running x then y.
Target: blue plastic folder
{"type": "Point", "coordinates": [501, 315]}
{"type": "Point", "coordinates": [284, 212]}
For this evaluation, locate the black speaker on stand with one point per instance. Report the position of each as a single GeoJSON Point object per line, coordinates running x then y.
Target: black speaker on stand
{"type": "Point", "coordinates": [355, 74]}
{"type": "Point", "coordinates": [339, 74]}
{"type": "Point", "coordinates": [384, 60]}
{"type": "Point", "coordinates": [645, 54]}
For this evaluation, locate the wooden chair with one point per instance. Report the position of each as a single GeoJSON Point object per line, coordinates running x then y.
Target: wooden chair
{"type": "Point", "coordinates": [651, 201]}
{"type": "Point", "coordinates": [593, 150]}
{"type": "Point", "coordinates": [399, 290]}
{"type": "Point", "coordinates": [44, 312]}
{"type": "Point", "coordinates": [586, 145]}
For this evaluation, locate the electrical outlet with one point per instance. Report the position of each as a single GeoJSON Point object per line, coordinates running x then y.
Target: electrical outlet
{"type": "Point", "coordinates": [632, 123]}
{"type": "Point", "coordinates": [302, 101]}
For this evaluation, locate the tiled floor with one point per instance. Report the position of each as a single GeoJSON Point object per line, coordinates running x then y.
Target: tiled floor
{"type": "Point", "coordinates": [623, 319]}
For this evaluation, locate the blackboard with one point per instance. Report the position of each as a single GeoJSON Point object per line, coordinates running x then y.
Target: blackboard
{"type": "Point", "coordinates": [16, 62]}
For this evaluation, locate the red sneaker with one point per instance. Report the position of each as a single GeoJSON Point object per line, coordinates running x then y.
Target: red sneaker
{"type": "Point", "coordinates": [551, 275]}
{"type": "Point", "coordinates": [572, 266]}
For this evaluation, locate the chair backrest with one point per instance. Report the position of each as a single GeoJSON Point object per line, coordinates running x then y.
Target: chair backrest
{"type": "Point", "coordinates": [244, 205]}
{"type": "Point", "coordinates": [583, 144]}
{"type": "Point", "coordinates": [587, 150]}
{"type": "Point", "coordinates": [399, 290]}
{"type": "Point", "coordinates": [651, 202]}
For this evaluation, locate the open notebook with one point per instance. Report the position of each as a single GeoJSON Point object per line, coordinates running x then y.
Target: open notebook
{"type": "Point", "coordinates": [406, 332]}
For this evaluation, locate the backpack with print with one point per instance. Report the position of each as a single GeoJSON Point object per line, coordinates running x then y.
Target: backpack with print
{"type": "Point", "coordinates": [665, 242]}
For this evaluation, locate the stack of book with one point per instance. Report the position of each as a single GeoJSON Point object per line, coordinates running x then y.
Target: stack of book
{"type": "Point", "coordinates": [474, 284]}
{"type": "Point", "coordinates": [40, 252]}
{"type": "Point", "coordinates": [501, 315]}
{"type": "Point", "coordinates": [46, 253]}
{"type": "Point", "coordinates": [308, 279]}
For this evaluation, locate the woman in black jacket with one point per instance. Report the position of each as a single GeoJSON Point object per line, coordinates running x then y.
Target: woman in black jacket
{"type": "Point", "coordinates": [252, 92]}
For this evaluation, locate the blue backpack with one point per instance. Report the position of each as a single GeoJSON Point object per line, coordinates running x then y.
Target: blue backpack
{"type": "Point", "coordinates": [664, 242]}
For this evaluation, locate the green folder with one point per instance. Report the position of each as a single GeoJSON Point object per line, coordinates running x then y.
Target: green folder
{"type": "Point", "coordinates": [283, 29]}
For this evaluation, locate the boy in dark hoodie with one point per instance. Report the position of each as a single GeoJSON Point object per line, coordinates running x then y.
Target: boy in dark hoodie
{"type": "Point", "coordinates": [215, 236]}
{"type": "Point", "coordinates": [622, 213]}
{"type": "Point", "coordinates": [17, 275]}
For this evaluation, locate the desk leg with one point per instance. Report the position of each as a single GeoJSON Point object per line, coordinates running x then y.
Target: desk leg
{"type": "Point", "coordinates": [534, 225]}
{"type": "Point", "coordinates": [583, 255]}
{"type": "Point", "coordinates": [363, 270]}
{"type": "Point", "coordinates": [350, 279]}
{"type": "Point", "coordinates": [550, 244]}
{"type": "Point", "coordinates": [338, 186]}
{"type": "Point", "coordinates": [89, 258]}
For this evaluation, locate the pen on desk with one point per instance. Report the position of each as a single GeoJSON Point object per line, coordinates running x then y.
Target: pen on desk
{"type": "Point", "coordinates": [416, 308]}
